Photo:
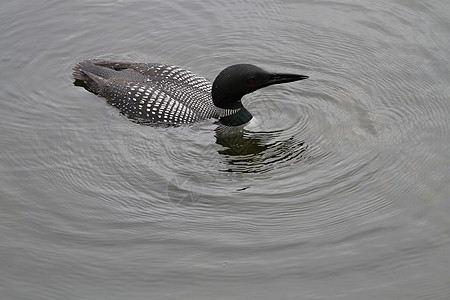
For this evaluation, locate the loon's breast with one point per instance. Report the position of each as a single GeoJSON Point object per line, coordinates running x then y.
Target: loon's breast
{"type": "Point", "coordinates": [156, 93]}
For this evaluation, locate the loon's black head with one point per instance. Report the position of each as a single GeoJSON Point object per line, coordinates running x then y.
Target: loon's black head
{"type": "Point", "coordinates": [238, 80]}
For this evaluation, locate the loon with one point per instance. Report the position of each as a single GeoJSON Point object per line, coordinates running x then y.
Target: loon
{"type": "Point", "coordinates": [165, 94]}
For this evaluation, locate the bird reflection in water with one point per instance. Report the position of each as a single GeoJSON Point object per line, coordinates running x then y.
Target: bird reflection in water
{"type": "Point", "coordinates": [256, 152]}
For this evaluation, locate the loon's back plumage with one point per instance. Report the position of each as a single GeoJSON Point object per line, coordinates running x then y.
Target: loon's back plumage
{"type": "Point", "coordinates": [166, 94]}
{"type": "Point", "coordinates": [149, 92]}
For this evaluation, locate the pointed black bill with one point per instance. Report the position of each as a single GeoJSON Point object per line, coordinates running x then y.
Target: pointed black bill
{"type": "Point", "coordinates": [284, 78]}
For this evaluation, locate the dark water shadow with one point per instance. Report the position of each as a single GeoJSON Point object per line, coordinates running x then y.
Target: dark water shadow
{"type": "Point", "coordinates": [258, 152]}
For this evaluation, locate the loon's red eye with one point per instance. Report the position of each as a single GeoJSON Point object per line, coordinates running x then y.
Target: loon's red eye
{"type": "Point", "coordinates": [251, 79]}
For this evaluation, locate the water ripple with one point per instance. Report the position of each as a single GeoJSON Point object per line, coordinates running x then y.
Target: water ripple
{"type": "Point", "coordinates": [341, 177]}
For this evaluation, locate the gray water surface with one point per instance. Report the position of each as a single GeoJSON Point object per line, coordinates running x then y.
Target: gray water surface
{"type": "Point", "coordinates": [340, 190]}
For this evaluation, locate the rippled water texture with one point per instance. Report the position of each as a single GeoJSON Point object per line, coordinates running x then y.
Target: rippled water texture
{"type": "Point", "coordinates": [338, 190]}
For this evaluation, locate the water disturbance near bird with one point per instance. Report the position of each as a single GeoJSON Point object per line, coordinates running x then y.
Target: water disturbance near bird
{"type": "Point", "coordinates": [337, 188]}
